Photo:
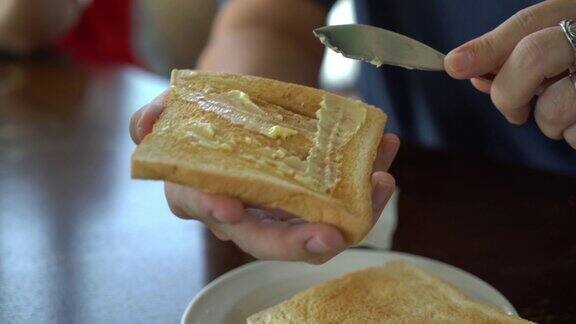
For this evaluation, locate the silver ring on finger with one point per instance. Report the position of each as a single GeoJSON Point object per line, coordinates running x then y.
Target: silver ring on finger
{"type": "Point", "coordinates": [569, 28]}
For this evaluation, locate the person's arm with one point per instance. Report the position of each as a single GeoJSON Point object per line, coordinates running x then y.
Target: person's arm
{"type": "Point", "coordinates": [26, 25]}
{"type": "Point", "coordinates": [268, 38]}
{"type": "Point", "coordinates": [171, 34]}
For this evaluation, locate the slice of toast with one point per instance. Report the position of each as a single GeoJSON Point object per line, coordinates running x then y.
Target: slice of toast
{"type": "Point", "coordinates": [268, 143]}
{"type": "Point", "coordinates": [396, 292]}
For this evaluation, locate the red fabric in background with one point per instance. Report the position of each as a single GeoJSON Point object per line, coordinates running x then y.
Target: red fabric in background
{"type": "Point", "coordinates": [102, 34]}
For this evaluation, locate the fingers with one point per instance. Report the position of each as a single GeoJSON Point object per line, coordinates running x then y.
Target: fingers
{"type": "Point", "coordinates": [253, 230]}
{"type": "Point", "coordinates": [186, 202]}
{"type": "Point", "coordinates": [490, 51]}
{"type": "Point", "coordinates": [383, 186]}
{"type": "Point", "coordinates": [143, 120]}
{"type": "Point", "coordinates": [570, 136]}
{"type": "Point", "coordinates": [264, 237]}
{"type": "Point", "coordinates": [272, 240]}
{"type": "Point", "coordinates": [387, 151]}
{"type": "Point", "coordinates": [556, 110]}
{"type": "Point", "coordinates": [314, 243]}
{"type": "Point", "coordinates": [276, 235]}
{"type": "Point", "coordinates": [541, 55]}
{"type": "Point", "coordinates": [481, 85]}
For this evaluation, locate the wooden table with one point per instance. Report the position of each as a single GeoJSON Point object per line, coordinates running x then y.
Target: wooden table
{"type": "Point", "coordinates": [82, 243]}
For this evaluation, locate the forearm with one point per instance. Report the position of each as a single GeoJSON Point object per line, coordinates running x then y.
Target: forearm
{"type": "Point", "coordinates": [282, 47]}
{"type": "Point", "coordinates": [263, 54]}
{"type": "Point", "coordinates": [28, 24]}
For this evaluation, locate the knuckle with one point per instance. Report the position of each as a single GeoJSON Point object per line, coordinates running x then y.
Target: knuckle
{"type": "Point", "coordinates": [528, 20]}
{"type": "Point", "coordinates": [487, 47]}
{"type": "Point", "coordinates": [530, 52]}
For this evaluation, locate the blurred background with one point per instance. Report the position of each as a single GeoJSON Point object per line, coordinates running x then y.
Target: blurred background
{"type": "Point", "coordinates": [80, 242]}
{"type": "Point", "coordinates": [337, 72]}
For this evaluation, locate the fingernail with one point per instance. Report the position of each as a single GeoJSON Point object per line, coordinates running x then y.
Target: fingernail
{"type": "Point", "coordinates": [460, 59]}
{"type": "Point", "coordinates": [139, 126]}
{"type": "Point", "coordinates": [317, 246]}
{"type": "Point", "coordinates": [380, 196]}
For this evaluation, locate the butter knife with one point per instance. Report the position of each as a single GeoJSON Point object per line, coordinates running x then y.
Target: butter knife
{"type": "Point", "coordinates": [380, 46]}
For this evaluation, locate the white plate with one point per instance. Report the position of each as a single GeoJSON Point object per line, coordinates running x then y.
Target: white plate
{"type": "Point", "coordinates": [234, 296]}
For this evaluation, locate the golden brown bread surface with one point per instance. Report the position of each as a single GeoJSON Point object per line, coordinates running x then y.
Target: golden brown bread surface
{"type": "Point", "coordinates": [204, 140]}
{"type": "Point", "coordinates": [394, 293]}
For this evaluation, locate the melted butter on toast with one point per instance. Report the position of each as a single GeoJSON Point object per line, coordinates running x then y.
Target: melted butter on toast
{"type": "Point", "coordinates": [335, 124]}
{"type": "Point", "coordinates": [237, 107]}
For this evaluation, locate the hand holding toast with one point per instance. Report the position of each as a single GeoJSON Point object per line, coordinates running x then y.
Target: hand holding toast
{"type": "Point", "coordinates": [264, 233]}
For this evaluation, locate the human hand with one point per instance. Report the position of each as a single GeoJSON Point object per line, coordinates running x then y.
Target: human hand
{"type": "Point", "coordinates": [266, 234]}
{"type": "Point", "coordinates": [530, 55]}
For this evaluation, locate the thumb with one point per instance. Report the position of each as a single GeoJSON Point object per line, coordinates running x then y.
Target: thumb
{"type": "Point", "coordinates": [475, 58]}
{"type": "Point", "coordinates": [488, 52]}
{"type": "Point", "coordinates": [383, 186]}
{"type": "Point", "coordinates": [143, 119]}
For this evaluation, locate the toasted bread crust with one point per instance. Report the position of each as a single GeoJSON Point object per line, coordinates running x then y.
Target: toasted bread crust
{"type": "Point", "coordinates": [349, 207]}
{"type": "Point", "coordinates": [394, 293]}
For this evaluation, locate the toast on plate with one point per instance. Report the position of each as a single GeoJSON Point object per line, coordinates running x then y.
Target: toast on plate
{"type": "Point", "coordinates": [396, 292]}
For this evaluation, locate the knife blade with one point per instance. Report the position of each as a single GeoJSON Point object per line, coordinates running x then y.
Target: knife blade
{"type": "Point", "coordinates": [380, 46]}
